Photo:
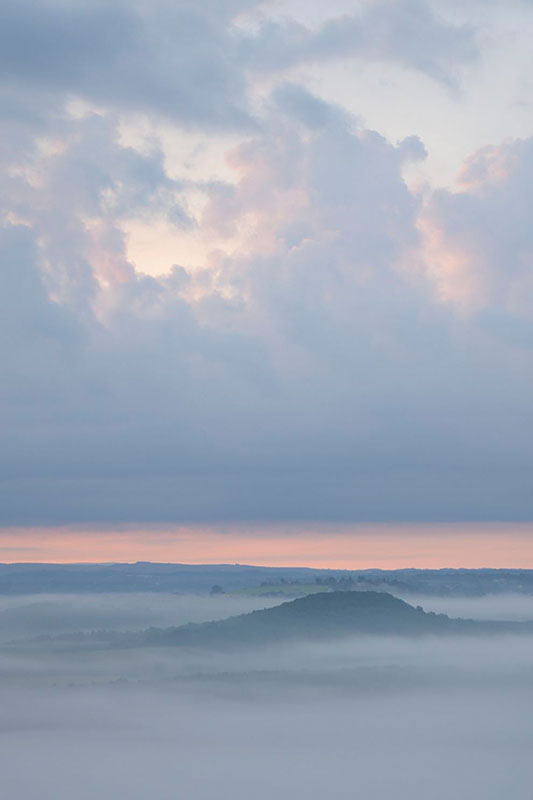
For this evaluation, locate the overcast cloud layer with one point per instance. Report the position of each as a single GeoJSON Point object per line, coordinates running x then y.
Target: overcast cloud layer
{"type": "Point", "coordinates": [329, 337]}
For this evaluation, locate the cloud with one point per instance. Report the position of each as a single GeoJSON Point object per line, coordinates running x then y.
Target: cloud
{"type": "Point", "coordinates": [480, 245]}
{"type": "Point", "coordinates": [307, 367]}
{"type": "Point", "coordinates": [196, 64]}
{"type": "Point", "coordinates": [158, 57]}
{"type": "Point", "coordinates": [409, 33]}
{"type": "Point", "coordinates": [307, 372]}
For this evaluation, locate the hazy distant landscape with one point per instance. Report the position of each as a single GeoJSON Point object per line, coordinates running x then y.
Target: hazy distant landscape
{"type": "Point", "coordinates": [249, 579]}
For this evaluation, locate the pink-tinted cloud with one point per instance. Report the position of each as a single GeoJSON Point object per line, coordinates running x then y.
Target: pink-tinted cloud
{"type": "Point", "coordinates": [478, 242]}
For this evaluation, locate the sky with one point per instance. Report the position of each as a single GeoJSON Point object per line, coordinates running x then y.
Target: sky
{"type": "Point", "coordinates": [320, 546]}
{"type": "Point", "coordinates": [262, 263]}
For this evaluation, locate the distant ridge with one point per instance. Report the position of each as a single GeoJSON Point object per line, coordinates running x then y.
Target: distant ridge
{"type": "Point", "coordinates": [325, 615]}
{"type": "Point", "coordinates": [39, 578]}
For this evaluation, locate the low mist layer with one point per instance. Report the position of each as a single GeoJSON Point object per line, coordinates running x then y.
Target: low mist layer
{"type": "Point", "coordinates": [368, 716]}
{"type": "Point", "coordinates": [24, 616]}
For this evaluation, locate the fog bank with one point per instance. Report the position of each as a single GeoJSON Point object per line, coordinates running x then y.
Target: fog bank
{"type": "Point", "coordinates": [364, 716]}
{"type": "Point", "coordinates": [121, 743]}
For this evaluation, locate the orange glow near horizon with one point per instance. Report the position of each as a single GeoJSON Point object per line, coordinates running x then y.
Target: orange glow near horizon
{"type": "Point", "coordinates": [362, 546]}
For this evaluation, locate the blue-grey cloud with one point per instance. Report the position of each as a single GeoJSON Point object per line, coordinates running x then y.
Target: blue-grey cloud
{"type": "Point", "coordinates": [409, 33]}
{"type": "Point", "coordinates": [193, 62]}
{"type": "Point", "coordinates": [311, 369]}
{"type": "Point", "coordinates": [312, 375]}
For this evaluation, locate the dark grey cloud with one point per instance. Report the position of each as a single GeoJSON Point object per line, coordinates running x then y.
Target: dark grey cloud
{"type": "Point", "coordinates": [409, 33]}
{"type": "Point", "coordinates": [194, 62]}
{"type": "Point", "coordinates": [171, 59]}
{"type": "Point", "coordinates": [301, 104]}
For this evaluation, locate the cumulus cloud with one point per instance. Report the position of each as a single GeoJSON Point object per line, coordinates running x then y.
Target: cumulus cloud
{"type": "Point", "coordinates": [307, 367]}
{"type": "Point", "coordinates": [479, 236]}
{"type": "Point", "coordinates": [295, 376]}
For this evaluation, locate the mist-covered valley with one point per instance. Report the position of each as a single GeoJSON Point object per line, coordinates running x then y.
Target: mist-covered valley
{"type": "Point", "coordinates": [25, 616]}
{"type": "Point", "coordinates": [366, 715]}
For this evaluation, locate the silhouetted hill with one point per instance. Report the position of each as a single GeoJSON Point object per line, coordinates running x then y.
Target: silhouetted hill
{"type": "Point", "coordinates": [324, 616]}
